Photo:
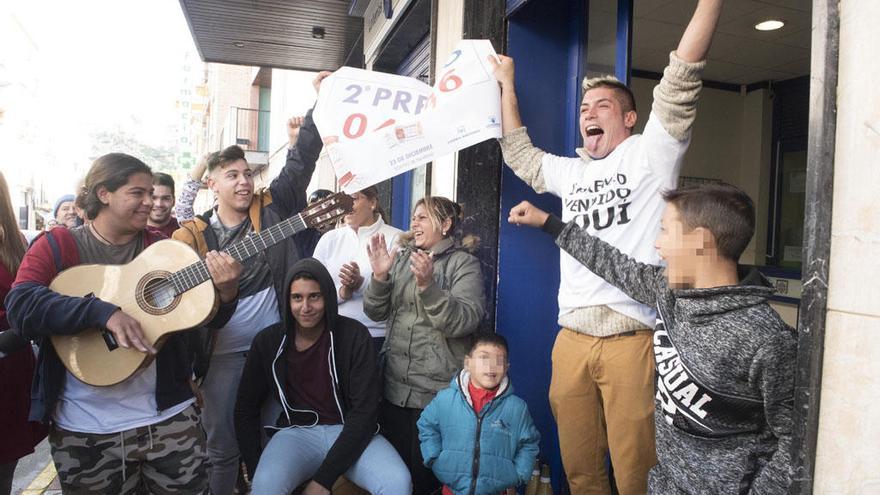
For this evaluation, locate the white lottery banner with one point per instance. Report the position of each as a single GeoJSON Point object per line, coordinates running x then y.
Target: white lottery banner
{"type": "Point", "coordinates": [376, 125]}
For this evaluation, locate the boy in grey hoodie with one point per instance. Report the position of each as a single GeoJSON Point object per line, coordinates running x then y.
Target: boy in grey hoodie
{"type": "Point", "coordinates": [724, 360]}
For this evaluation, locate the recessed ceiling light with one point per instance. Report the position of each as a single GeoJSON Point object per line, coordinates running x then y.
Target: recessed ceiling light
{"type": "Point", "coordinates": [238, 44]}
{"type": "Point", "coordinates": [769, 25]}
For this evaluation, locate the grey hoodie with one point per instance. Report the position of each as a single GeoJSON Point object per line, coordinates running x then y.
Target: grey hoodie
{"type": "Point", "coordinates": [725, 375]}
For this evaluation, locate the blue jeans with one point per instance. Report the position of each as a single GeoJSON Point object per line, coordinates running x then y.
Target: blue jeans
{"type": "Point", "coordinates": [294, 455]}
{"type": "Point", "coordinates": [219, 391]}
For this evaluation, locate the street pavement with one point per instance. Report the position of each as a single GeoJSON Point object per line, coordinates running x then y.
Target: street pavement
{"type": "Point", "coordinates": [35, 474]}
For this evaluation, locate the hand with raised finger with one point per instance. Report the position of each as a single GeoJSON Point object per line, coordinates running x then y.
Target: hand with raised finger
{"type": "Point", "coordinates": [128, 333]}
{"type": "Point", "coordinates": [380, 258]}
{"type": "Point", "coordinates": [526, 213]}
{"type": "Point", "coordinates": [324, 74]}
{"type": "Point", "coordinates": [225, 272]}
{"type": "Point", "coordinates": [422, 265]}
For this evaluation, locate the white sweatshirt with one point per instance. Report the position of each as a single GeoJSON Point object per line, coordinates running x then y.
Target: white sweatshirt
{"type": "Point", "coordinates": [616, 199]}
{"type": "Point", "coordinates": [344, 245]}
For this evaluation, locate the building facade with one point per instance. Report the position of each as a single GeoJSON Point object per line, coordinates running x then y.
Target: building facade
{"type": "Point", "coordinates": [778, 117]}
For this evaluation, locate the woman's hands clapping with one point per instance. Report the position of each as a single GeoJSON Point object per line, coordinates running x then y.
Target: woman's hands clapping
{"type": "Point", "coordinates": [351, 279]}
{"type": "Point", "coordinates": [381, 258]}
{"type": "Point", "coordinates": [422, 265]}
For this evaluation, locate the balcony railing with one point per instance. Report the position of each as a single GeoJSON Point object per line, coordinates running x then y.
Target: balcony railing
{"type": "Point", "coordinates": [248, 128]}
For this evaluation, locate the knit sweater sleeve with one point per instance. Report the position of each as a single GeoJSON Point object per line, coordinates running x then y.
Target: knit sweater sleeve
{"type": "Point", "coordinates": [675, 97]}
{"type": "Point", "coordinates": [524, 158]}
{"type": "Point", "coordinates": [640, 281]}
{"type": "Point", "coordinates": [773, 370]}
{"type": "Point", "coordinates": [183, 209]}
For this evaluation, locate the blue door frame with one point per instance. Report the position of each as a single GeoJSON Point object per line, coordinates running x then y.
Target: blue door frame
{"type": "Point", "coordinates": [623, 48]}
{"type": "Point", "coordinates": [401, 194]}
{"type": "Point", "coordinates": [547, 40]}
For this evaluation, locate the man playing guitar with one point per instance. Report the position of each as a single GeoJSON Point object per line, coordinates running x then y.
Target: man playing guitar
{"type": "Point", "coordinates": [142, 434]}
{"type": "Point", "coordinates": [239, 213]}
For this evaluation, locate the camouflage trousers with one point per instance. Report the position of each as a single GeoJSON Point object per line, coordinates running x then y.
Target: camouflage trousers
{"type": "Point", "coordinates": [167, 457]}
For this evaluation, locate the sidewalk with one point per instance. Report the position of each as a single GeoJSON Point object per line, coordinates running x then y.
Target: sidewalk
{"type": "Point", "coordinates": [35, 474]}
{"type": "Point", "coordinates": [46, 483]}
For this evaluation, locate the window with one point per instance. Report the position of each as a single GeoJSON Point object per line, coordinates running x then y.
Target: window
{"type": "Point", "coordinates": [785, 237]}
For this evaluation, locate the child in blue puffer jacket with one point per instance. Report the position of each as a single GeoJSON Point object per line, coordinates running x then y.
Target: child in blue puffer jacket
{"type": "Point", "coordinates": [477, 437]}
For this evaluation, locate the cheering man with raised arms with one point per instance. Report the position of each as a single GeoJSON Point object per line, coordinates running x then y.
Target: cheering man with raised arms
{"type": "Point", "coordinates": [602, 388]}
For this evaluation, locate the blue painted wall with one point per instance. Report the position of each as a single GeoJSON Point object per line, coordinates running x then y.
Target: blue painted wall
{"type": "Point", "coordinates": [547, 41]}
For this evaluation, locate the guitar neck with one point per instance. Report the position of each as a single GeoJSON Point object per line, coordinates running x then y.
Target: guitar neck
{"type": "Point", "coordinates": [197, 273]}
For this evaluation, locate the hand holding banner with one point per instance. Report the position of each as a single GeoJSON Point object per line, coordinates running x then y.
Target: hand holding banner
{"type": "Point", "coordinates": [376, 125]}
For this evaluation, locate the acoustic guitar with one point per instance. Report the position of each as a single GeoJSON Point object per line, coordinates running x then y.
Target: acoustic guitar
{"type": "Point", "coordinates": [167, 289]}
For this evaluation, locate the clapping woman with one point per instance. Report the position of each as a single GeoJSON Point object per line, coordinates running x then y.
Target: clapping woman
{"type": "Point", "coordinates": [430, 291]}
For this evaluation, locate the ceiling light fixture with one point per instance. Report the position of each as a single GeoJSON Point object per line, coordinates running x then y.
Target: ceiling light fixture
{"type": "Point", "coordinates": [770, 25]}
{"type": "Point", "coordinates": [238, 44]}
{"type": "Point", "coordinates": [318, 32]}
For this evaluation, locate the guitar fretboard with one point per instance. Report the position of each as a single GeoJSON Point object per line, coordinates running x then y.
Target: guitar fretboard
{"type": "Point", "coordinates": [197, 273]}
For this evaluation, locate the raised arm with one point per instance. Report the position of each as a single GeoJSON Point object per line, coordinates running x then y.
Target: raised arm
{"type": "Point", "coordinates": [697, 38]}
{"type": "Point", "coordinates": [675, 97]}
{"type": "Point", "coordinates": [639, 281]}
{"type": "Point", "coordinates": [377, 296]}
{"type": "Point", "coordinates": [289, 188]}
{"type": "Point", "coordinates": [183, 208]}
{"type": "Point", "coordinates": [520, 155]}
{"type": "Point", "coordinates": [503, 67]}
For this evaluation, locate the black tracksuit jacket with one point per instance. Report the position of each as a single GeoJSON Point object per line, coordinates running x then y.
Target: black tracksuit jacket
{"type": "Point", "coordinates": [355, 375]}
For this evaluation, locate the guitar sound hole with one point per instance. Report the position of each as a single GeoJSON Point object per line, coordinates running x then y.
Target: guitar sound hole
{"type": "Point", "coordinates": [156, 294]}
{"type": "Point", "coordinates": [159, 293]}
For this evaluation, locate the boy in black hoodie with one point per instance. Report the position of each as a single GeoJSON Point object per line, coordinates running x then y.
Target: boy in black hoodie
{"type": "Point", "coordinates": [724, 359]}
{"type": "Point", "coordinates": [320, 367]}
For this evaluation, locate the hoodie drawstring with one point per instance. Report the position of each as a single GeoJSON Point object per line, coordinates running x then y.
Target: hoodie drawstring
{"type": "Point", "coordinates": [331, 362]}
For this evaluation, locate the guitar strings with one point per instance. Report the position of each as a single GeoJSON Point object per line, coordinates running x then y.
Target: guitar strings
{"type": "Point", "coordinates": [278, 228]}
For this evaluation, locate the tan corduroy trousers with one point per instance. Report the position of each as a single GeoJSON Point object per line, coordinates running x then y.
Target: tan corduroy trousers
{"type": "Point", "coordinates": [602, 395]}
